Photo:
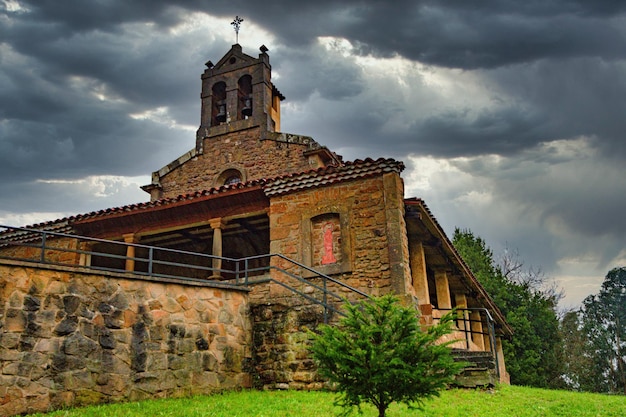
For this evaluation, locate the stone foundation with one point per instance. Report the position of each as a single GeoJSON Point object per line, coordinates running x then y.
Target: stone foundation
{"type": "Point", "coordinates": [70, 338]}
{"type": "Point", "coordinates": [281, 341]}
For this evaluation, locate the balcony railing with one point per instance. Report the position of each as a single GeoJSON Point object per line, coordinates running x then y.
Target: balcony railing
{"type": "Point", "coordinates": [69, 250]}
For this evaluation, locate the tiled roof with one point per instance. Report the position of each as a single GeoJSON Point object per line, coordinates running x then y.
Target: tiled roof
{"type": "Point", "coordinates": [21, 235]}
{"type": "Point", "coordinates": [331, 175]}
{"type": "Point", "coordinates": [170, 201]}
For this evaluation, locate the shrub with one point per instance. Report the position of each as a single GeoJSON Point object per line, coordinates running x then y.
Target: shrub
{"type": "Point", "coordinates": [379, 354]}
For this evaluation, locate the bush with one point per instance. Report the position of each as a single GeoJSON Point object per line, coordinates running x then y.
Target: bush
{"type": "Point", "coordinates": [379, 354]}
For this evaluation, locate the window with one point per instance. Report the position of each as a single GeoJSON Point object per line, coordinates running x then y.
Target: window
{"type": "Point", "coordinates": [229, 177]}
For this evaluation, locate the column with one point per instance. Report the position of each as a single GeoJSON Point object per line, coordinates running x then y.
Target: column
{"type": "Point", "coordinates": [444, 301]}
{"type": "Point", "coordinates": [461, 303]}
{"type": "Point", "coordinates": [85, 258]}
{"type": "Point", "coordinates": [217, 225]}
{"type": "Point", "coordinates": [504, 377]}
{"type": "Point", "coordinates": [477, 330]}
{"type": "Point", "coordinates": [419, 278]}
{"type": "Point", "coordinates": [130, 251]}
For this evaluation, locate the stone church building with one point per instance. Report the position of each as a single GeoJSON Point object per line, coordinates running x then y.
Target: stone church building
{"type": "Point", "coordinates": [248, 240]}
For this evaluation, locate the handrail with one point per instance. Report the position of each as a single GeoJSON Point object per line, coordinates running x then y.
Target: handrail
{"type": "Point", "coordinates": [469, 332]}
{"type": "Point", "coordinates": [42, 241]}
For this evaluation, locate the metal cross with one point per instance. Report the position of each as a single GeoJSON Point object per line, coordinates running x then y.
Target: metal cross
{"type": "Point", "coordinates": [236, 24]}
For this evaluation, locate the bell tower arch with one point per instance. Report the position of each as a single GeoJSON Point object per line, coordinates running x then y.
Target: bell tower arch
{"type": "Point", "coordinates": [237, 93]}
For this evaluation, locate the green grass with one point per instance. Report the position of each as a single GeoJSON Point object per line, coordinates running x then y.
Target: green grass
{"type": "Point", "coordinates": [505, 401]}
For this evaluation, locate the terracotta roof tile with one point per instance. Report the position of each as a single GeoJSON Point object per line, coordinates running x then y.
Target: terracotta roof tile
{"type": "Point", "coordinates": [331, 175]}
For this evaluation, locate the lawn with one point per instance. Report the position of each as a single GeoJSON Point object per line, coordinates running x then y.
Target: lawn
{"type": "Point", "coordinates": [505, 401]}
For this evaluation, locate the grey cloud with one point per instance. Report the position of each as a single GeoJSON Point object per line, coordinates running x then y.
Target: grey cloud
{"type": "Point", "coordinates": [454, 34]}
{"type": "Point", "coordinates": [578, 96]}
{"type": "Point", "coordinates": [315, 69]}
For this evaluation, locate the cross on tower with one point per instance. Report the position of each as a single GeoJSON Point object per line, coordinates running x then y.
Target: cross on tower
{"type": "Point", "coordinates": [236, 24]}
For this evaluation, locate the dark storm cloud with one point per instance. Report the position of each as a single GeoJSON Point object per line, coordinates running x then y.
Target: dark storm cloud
{"type": "Point", "coordinates": [463, 34]}
{"type": "Point", "coordinates": [481, 34]}
{"type": "Point", "coordinates": [583, 96]}
{"type": "Point", "coordinates": [69, 16]}
{"type": "Point", "coordinates": [53, 122]}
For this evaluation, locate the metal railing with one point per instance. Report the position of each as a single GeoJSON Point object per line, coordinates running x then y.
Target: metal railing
{"type": "Point", "coordinates": [464, 325]}
{"type": "Point", "coordinates": [69, 250]}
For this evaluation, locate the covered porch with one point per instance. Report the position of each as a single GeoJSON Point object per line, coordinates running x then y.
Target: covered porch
{"type": "Point", "coordinates": [442, 281]}
{"type": "Point", "coordinates": [231, 224]}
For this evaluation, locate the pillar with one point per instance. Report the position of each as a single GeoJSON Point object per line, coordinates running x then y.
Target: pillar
{"type": "Point", "coordinates": [487, 339]}
{"type": "Point", "coordinates": [504, 376]}
{"type": "Point", "coordinates": [85, 258]}
{"type": "Point", "coordinates": [461, 304]}
{"type": "Point", "coordinates": [477, 330]}
{"type": "Point", "coordinates": [217, 225]}
{"type": "Point", "coordinates": [418, 272]}
{"type": "Point", "coordinates": [130, 251]}
{"type": "Point", "coordinates": [444, 301]}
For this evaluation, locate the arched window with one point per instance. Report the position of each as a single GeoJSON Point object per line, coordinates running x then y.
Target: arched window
{"type": "Point", "coordinates": [229, 177]}
{"type": "Point", "coordinates": [233, 179]}
{"type": "Point", "coordinates": [218, 112]}
{"type": "Point", "coordinates": [244, 94]}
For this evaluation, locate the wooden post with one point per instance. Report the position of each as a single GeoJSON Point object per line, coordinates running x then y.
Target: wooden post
{"type": "Point", "coordinates": [85, 258]}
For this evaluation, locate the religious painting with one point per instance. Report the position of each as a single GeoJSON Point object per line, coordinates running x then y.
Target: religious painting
{"type": "Point", "coordinates": [326, 239]}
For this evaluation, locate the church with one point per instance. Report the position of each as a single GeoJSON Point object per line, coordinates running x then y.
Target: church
{"type": "Point", "coordinates": [247, 241]}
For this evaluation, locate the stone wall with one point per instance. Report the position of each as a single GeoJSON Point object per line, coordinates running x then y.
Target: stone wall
{"type": "Point", "coordinates": [281, 339]}
{"type": "Point", "coordinates": [370, 247]}
{"type": "Point", "coordinates": [371, 243]}
{"type": "Point", "coordinates": [70, 337]}
{"type": "Point", "coordinates": [32, 252]}
{"type": "Point", "coordinates": [243, 150]}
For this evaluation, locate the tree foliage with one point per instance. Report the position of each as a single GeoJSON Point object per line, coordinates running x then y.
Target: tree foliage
{"type": "Point", "coordinates": [534, 353]}
{"type": "Point", "coordinates": [379, 355]}
{"type": "Point", "coordinates": [580, 370]}
{"type": "Point", "coordinates": [604, 323]}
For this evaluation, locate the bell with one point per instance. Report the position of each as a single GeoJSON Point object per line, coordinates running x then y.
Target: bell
{"type": "Point", "coordinates": [221, 113]}
{"type": "Point", "coordinates": [247, 107]}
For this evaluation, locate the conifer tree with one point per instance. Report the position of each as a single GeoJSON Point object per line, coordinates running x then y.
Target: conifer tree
{"type": "Point", "coordinates": [379, 354]}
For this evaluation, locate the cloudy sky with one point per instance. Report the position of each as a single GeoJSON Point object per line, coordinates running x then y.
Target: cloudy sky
{"type": "Point", "coordinates": [510, 115]}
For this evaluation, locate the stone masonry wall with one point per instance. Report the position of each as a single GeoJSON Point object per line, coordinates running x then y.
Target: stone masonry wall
{"type": "Point", "coordinates": [243, 150]}
{"type": "Point", "coordinates": [373, 237]}
{"type": "Point", "coordinates": [72, 338]}
{"type": "Point", "coordinates": [33, 252]}
{"type": "Point", "coordinates": [282, 338]}
{"type": "Point", "coordinates": [373, 232]}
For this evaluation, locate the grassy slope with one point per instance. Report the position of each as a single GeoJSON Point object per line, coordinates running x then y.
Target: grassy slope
{"type": "Point", "coordinates": [506, 401]}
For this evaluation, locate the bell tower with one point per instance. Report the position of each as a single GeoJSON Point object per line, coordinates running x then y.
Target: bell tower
{"type": "Point", "coordinates": [237, 93]}
{"type": "Point", "coordinates": [239, 138]}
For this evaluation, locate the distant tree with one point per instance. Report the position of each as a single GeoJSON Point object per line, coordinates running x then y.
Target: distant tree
{"type": "Point", "coordinates": [604, 322]}
{"type": "Point", "coordinates": [379, 354]}
{"type": "Point", "coordinates": [579, 371]}
{"type": "Point", "coordinates": [534, 352]}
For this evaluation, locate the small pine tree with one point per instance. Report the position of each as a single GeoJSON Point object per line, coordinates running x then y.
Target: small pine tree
{"type": "Point", "coordinates": [379, 355]}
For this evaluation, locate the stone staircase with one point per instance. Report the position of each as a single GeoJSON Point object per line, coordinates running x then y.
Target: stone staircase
{"type": "Point", "coordinates": [480, 372]}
